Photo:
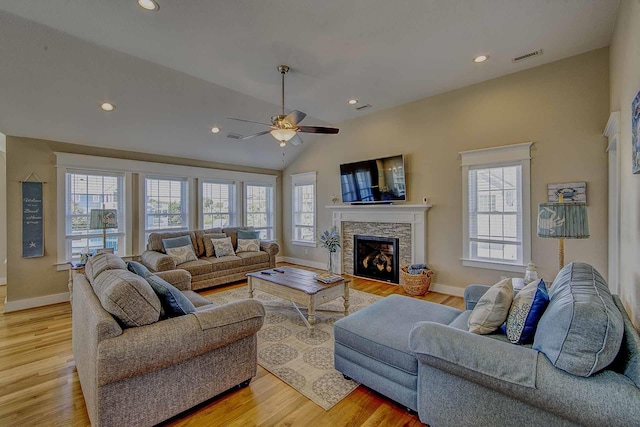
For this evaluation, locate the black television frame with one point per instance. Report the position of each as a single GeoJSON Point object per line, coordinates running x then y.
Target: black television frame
{"type": "Point", "coordinates": [381, 201]}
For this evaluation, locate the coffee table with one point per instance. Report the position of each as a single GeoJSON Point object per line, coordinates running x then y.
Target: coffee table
{"type": "Point", "coordinates": [301, 287]}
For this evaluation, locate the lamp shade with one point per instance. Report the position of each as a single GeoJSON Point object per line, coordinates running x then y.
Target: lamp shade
{"type": "Point", "coordinates": [103, 218]}
{"type": "Point", "coordinates": [563, 220]}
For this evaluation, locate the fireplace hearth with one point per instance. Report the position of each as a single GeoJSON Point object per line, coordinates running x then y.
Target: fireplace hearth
{"type": "Point", "coordinates": [376, 258]}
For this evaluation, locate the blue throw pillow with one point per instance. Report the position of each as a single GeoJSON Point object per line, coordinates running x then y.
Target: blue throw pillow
{"type": "Point", "coordinates": [527, 308]}
{"type": "Point", "coordinates": [173, 301]}
{"type": "Point", "coordinates": [138, 268]}
{"type": "Point", "coordinates": [248, 234]}
{"type": "Point", "coordinates": [177, 242]}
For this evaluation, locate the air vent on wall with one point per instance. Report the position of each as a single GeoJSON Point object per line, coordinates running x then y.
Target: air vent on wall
{"type": "Point", "coordinates": [363, 107]}
{"type": "Point", "coordinates": [233, 135]}
{"type": "Point", "coordinates": [527, 56]}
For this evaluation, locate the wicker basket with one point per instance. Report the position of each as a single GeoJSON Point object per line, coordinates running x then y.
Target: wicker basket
{"type": "Point", "coordinates": [415, 284]}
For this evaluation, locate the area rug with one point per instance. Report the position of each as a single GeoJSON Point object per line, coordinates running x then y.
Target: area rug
{"type": "Point", "coordinates": [287, 349]}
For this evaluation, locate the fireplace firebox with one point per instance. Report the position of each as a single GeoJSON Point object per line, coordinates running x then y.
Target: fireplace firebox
{"type": "Point", "coordinates": [376, 258]}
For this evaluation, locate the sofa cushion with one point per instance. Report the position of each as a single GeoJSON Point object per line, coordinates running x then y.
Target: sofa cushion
{"type": "Point", "coordinates": [248, 245]}
{"type": "Point", "coordinates": [172, 300]}
{"type": "Point", "coordinates": [525, 312]}
{"type": "Point", "coordinates": [225, 262]}
{"type": "Point", "coordinates": [101, 262]}
{"type": "Point", "coordinates": [223, 247]}
{"type": "Point", "coordinates": [197, 267]}
{"type": "Point", "coordinates": [252, 258]}
{"type": "Point", "coordinates": [208, 244]}
{"type": "Point", "coordinates": [128, 297]}
{"type": "Point", "coordinates": [581, 330]}
{"type": "Point", "coordinates": [492, 308]}
{"type": "Point", "coordinates": [627, 361]}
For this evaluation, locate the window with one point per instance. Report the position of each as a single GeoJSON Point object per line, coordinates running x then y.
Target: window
{"type": "Point", "coordinates": [259, 208]}
{"type": "Point", "coordinates": [304, 209]}
{"type": "Point", "coordinates": [496, 207]}
{"type": "Point", "coordinates": [166, 204]}
{"type": "Point", "coordinates": [84, 191]}
{"type": "Point", "coordinates": [218, 204]}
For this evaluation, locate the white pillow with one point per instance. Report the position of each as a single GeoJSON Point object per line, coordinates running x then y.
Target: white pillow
{"type": "Point", "coordinates": [223, 247]}
{"type": "Point", "coordinates": [248, 245]}
{"type": "Point", "coordinates": [182, 254]}
{"type": "Point", "coordinates": [492, 308]}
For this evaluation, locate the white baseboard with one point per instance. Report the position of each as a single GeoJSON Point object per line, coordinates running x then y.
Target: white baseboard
{"type": "Point", "coordinates": [447, 289]}
{"type": "Point", "coordinates": [3, 280]}
{"type": "Point", "coordinates": [303, 262]}
{"type": "Point", "coordinates": [24, 304]}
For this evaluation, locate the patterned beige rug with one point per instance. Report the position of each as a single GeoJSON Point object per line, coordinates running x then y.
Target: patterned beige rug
{"type": "Point", "coordinates": [287, 349]}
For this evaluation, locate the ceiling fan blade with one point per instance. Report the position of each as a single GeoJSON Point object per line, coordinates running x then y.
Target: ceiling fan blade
{"type": "Point", "coordinates": [295, 117]}
{"type": "Point", "coordinates": [249, 121]}
{"type": "Point", "coordinates": [296, 140]}
{"type": "Point", "coordinates": [256, 134]}
{"type": "Point", "coordinates": [318, 129]}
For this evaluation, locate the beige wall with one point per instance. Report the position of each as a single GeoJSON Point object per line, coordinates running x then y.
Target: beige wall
{"type": "Point", "coordinates": [38, 277]}
{"type": "Point", "coordinates": [625, 84]}
{"type": "Point", "coordinates": [3, 209]}
{"type": "Point", "coordinates": [562, 107]}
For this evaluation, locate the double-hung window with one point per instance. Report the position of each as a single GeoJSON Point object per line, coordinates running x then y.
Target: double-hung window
{"type": "Point", "coordinates": [496, 207]}
{"type": "Point", "coordinates": [87, 190]}
{"type": "Point", "coordinates": [218, 207]}
{"type": "Point", "coordinates": [304, 209]}
{"type": "Point", "coordinates": [258, 208]}
{"type": "Point", "coordinates": [166, 203]}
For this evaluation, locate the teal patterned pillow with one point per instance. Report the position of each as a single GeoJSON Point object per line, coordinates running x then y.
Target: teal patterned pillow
{"type": "Point", "coordinates": [180, 249]}
{"type": "Point", "coordinates": [526, 310]}
{"type": "Point", "coordinates": [248, 234]}
{"type": "Point", "coordinates": [223, 247]}
{"type": "Point", "coordinates": [248, 245]}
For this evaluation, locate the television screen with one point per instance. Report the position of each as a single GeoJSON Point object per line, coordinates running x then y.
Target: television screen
{"type": "Point", "coordinates": [373, 181]}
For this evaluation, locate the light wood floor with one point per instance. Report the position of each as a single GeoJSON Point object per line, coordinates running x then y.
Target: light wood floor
{"type": "Point", "coordinates": [39, 384]}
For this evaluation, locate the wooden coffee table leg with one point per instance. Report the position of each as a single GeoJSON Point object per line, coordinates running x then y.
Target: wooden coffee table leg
{"type": "Point", "coordinates": [311, 311]}
{"type": "Point", "coordinates": [250, 286]}
{"type": "Point", "coordinates": [346, 299]}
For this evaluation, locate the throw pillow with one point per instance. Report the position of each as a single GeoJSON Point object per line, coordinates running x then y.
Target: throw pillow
{"type": "Point", "coordinates": [138, 268]}
{"type": "Point", "coordinates": [248, 245]}
{"type": "Point", "coordinates": [248, 234]}
{"type": "Point", "coordinates": [173, 301]}
{"type": "Point", "coordinates": [180, 249]}
{"type": "Point", "coordinates": [492, 308]}
{"type": "Point", "coordinates": [223, 247]}
{"type": "Point", "coordinates": [208, 244]}
{"type": "Point", "coordinates": [525, 312]}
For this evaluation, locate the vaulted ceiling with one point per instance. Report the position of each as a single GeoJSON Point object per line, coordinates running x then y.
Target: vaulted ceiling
{"type": "Point", "coordinates": [176, 72]}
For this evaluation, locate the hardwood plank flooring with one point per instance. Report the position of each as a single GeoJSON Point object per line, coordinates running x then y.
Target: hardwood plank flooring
{"type": "Point", "coordinates": [39, 384]}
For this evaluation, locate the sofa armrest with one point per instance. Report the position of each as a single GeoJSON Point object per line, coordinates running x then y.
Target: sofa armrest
{"type": "Point", "coordinates": [167, 342]}
{"type": "Point", "coordinates": [496, 359]}
{"type": "Point", "coordinates": [157, 261]}
{"type": "Point", "coordinates": [472, 294]}
{"type": "Point", "coordinates": [179, 278]}
{"type": "Point", "coordinates": [270, 246]}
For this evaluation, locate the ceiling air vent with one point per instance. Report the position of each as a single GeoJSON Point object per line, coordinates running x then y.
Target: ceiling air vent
{"type": "Point", "coordinates": [527, 56]}
{"type": "Point", "coordinates": [233, 135]}
{"type": "Point", "coordinates": [363, 107]}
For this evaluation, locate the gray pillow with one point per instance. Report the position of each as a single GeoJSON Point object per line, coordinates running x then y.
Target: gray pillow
{"type": "Point", "coordinates": [492, 308]}
{"type": "Point", "coordinates": [209, 251]}
{"type": "Point", "coordinates": [581, 330]}
{"type": "Point", "coordinates": [98, 263]}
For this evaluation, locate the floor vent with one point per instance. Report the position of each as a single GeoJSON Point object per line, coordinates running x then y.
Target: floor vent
{"type": "Point", "coordinates": [233, 135]}
{"type": "Point", "coordinates": [527, 56]}
{"type": "Point", "coordinates": [363, 107]}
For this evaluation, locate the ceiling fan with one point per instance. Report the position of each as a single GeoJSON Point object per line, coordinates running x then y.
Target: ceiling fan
{"type": "Point", "coordinates": [285, 128]}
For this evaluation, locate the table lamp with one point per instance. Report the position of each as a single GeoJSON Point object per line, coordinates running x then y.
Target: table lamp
{"type": "Point", "coordinates": [103, 219]}
{"type": "Point", "coordinates": [561, 221]}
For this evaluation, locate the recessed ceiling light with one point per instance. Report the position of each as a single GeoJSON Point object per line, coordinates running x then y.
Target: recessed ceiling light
{"type": "Point", "coordinates": [107, 106]}
{"type": "Point", "coordinates": [480, 58]}
{"type": "Point", "coordinates": [151, 5]}
{"type": "Point", "coordinates": [215, 129]}
{"type": "Point", "coordinates": [353, 101]}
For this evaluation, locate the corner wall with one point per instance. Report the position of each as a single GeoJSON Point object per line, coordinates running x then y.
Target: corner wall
{"type": "Point", "coordinates": [562, 107]}
{"type": "Point", "coordinates": [3, 209]}
{"type": "Point", "coordinates": [625, 84]}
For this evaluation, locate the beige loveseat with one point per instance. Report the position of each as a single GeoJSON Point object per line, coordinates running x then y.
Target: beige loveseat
{"type": "Point", "coordinates": [210, 271]}
{"type": "Point", "coordinates": [143, 375]}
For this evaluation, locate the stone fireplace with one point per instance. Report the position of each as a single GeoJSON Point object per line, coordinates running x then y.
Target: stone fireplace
{"type": "Point", "coordinates": [404, 222]}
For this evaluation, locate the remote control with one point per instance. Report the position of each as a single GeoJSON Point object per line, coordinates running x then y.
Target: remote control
{"type": "Point", "coordinates": [278, 270]}
{"type": "Point", "coordinates": [266, 272]}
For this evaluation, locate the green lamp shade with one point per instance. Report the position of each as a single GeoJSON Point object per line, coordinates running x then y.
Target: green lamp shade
{"type": "Point", "coordinates": [103, 218]}
{"type": "Point", "coordinates": [563, 220]}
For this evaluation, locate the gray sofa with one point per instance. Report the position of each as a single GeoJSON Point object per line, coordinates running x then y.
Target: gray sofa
{"type": "Point", "coordinates": [143, 375]}
{"type": "Point", "coordinates": [422, 356]}
{"type": "Point", "coordinates": [210, 271]}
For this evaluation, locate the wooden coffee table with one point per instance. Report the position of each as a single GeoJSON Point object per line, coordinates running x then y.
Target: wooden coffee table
{"type": "Point", "coordinates": [301, 287]}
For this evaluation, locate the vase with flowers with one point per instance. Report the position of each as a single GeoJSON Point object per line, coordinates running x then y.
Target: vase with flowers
{"type": "Point", "coordinates": [330, 240]}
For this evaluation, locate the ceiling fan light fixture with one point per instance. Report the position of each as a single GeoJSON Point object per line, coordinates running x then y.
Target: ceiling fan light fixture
{"type": "Point", "coordinates": [283, 144]}
{"type": "Point", "coordinates": [283, 135]}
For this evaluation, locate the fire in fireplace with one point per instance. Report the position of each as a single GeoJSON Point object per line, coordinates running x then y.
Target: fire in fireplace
{"type": "Point", "coordinates": [376, 258]}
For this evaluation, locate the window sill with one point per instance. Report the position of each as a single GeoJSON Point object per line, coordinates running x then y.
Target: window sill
{"type": "Point", "coordinates": [304, 243]}
{"type": "Point", "coordinates": [515, 268]}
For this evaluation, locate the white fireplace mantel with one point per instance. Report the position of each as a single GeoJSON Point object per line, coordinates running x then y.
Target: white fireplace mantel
{"type": "Point", "coordinates": [415, 214]}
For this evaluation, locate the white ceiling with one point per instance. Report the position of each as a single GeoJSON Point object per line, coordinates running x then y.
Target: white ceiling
{"type": "Point", "coordinates": [176, 72]}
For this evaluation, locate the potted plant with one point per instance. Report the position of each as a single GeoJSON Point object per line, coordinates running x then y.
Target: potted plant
{"type": "Point", "coordinates": [330, 240]}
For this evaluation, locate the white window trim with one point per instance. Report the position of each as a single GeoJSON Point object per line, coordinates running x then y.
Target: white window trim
{"type": "Point", "coordinates": [236, 217]}
{"type": "Point", "coordinates": [143, 206]}
{"type": "Point", "coordinates": [306, 178]}
{"type": "Point", "coordinates": [498, 156]}
{"type": "Point", "coordinates": [273, 204]}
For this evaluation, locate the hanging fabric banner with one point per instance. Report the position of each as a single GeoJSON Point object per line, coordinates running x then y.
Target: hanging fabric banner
{"type": "Point", "coordinates": [32, 220]}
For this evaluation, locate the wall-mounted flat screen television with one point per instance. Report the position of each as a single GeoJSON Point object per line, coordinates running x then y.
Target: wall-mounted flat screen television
{"type": "Point", "coordinates": [374, 181]}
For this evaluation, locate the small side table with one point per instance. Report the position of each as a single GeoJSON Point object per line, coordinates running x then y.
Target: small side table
{"type": "Point", "coordinates": [75, 267]}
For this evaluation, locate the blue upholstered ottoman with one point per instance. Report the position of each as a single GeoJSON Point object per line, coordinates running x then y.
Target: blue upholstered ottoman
{"type": "Point", "coordinates": [372, 345]}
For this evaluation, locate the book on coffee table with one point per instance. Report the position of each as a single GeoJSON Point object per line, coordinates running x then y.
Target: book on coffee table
{"type": "Point", "coordinates": [328, 277]}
